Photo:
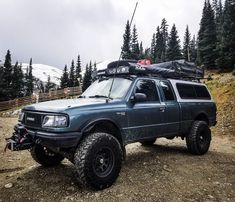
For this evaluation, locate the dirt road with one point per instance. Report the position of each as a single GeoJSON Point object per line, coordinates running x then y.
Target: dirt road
{"type": "Point", "coordinates": [163, 172]}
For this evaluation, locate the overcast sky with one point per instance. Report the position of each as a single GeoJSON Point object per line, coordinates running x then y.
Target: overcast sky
{"type": "Point", "coordinates": [53, 32]}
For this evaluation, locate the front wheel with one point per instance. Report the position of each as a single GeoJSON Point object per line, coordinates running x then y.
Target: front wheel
{"type": "Point", "coordinates": [98, 160]}
{"type": "Point", "coordinates": [44, 156]}
{"type": "Point", "coordinates": [199, 138]}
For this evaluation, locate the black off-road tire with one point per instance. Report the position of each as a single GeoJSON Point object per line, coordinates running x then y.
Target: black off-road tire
{"type": "Point", "coordinates": [199, 138]}
{"type": "Point", "coordinates": [44, 156]}
{"type": "Point", "coordinates": [98, 160]}
{"type": "Point", "coordinates": [148, 142]}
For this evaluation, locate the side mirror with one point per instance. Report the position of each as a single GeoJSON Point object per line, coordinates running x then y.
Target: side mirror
{"type": "Point", "coordinates": [138, 97]}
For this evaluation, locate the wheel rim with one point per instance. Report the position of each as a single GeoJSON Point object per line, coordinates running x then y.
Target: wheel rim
{"type": "Point", "coordinates": [203, 138]}
{"type": "Point", "coordinates": [103, 162]}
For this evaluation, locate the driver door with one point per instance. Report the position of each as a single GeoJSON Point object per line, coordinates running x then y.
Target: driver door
{"type": "Point", "coordinates": [145, 117]}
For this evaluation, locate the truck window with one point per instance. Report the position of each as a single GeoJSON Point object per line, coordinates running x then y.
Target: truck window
{"type": "Point", "coordinates": [202, 92]}
{"type": "Point", "coordinates": [147, 87]}
{"type": "Point", "coordinates": [186, 91]}
{"type": "Point", "coordinates": [167, 91]}
{"type": "Point", "coordinates": [189, 91]}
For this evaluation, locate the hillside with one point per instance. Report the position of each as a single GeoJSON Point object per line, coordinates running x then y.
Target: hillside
{"type": "Point", "coordinates": [222, 88]}
{"type": "Point", "coordinates": [42, 72]}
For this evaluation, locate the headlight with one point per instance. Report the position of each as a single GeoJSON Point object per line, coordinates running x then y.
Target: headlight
{"type": "Point", "coordinates": [21, 116]}
{"type": "Point", "coordinates": [56, 121]}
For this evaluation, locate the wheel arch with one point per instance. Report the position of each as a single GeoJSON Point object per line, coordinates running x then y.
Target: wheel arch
{"type": "Point", "coordinates": [103, 125]}
{"type": "Point", "coordinates": [202, 117]}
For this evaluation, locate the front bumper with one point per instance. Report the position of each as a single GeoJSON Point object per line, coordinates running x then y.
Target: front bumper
{"type": "Point", "coordinates": [24, 138]}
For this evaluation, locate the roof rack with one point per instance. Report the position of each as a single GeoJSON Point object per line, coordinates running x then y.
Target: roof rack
{"type": "Point", "coordinates": [178, 69]}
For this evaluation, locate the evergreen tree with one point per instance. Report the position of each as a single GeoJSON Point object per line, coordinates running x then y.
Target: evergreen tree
{"type": "Point", "coordinates": [85, 83]}
{"type": "Point", "coordinates": [218, 9]}
{"type": "Point", "coordinates": [141, 50]}
{"type": "Point", "coordinates": [17, 84]}
{"type": "Point", "coordinates": [158, 45]}
{"type": "Point", "coordinates": [153, 49]}
{"type": "Point", "coordinates": [71, 75]}
{"type": "Point", "coordinates": [78, 75]}
{"type": "Point", "coordinates": [164, 35]}
{"type": "Point", "coordinates": [207, 37]}
{"type": "Point", "coordinates": [49, 85]}
{"type": "Point", "coordinates": [126, 48]}
{"type": "Point", "coordinates": [135, 51]}
{"type": "Point", "coordinates": [186, 47]}
{"type": "Point", "coordinates": [29, 80]}
{"type": "Point", "coordinates": [193, 50]}
{"type": "Point", "coordinates": [89, 74]}
{"type": "Point", "coordinates": [227, 54]}
{"type": "Point", "coordinates": [7, 77]}
{"type": "Point", "coordinates": [173, 48]}
{"type": "Point", "coordinates": [147, 54]}
{"type": "Point", "coordinates": [64, 81]}
{"type": "Point", "coordinates": [2, 98]}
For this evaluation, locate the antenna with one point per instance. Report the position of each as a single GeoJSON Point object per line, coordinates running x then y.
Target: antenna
{"type": "Point", "coordinates": [110, 90]}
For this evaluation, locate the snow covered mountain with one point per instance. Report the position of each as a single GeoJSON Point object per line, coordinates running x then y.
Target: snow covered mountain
{"type": "Point", "coordinates": [42, 72]}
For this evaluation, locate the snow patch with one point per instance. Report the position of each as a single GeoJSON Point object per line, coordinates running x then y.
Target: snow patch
{"type": "Point", "coordinates": [42, 72]}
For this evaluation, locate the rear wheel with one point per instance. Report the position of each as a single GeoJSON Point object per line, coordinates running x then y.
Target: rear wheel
{"type": "Point", "coordinates": [148, 142]}
{"type": "Point", "coordinates": [44, 156]}
{"type": "Point", "coordinates": [199, 138]}
{"type": "Point", "coordinates": [98, 160]}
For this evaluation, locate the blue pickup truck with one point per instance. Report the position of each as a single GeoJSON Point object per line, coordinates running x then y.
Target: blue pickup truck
{"type": "Point", "coordinates": [119, 108]}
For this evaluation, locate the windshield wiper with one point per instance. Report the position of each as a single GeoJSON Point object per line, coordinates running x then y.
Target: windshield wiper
{"type": "Point", "coordinates": [81, 96]}
{"type": "Point", "coordinates": [99, 96]}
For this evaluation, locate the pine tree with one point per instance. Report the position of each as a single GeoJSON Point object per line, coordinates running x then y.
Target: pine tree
{"type": "Point", "coordinates": [218, 9]}
{"type": "Point", "coordinates": [153, 49]}
{"type": "Point", "coordinates": [147, 54]}
{"type": "Point", "coordinates": [207, 37]}
{"type": "Point", "coordinates": [7, 77]}
{"type": "Point", "coordinates": [29, 80]}
{"type": "Point", "coordinates": [164, 33]}
{"type": "Point", "coordinates": [173, 48]}
{"type": "Point", "coordinates": [126, 48]}
{"type": "Point", "coordinates": [85, 83]}
{"type": "Point", "coordinates": [71, 75]}
{"type": "Point", "coordinates": [186, 47]}
{"type": "Point", "coordinates": [78, 75]}
{"type": "Point", "coordinates": [48, 84]}
{"type": "Point", "coordinates": [2, 96]}
{"type": "Point", "coordinates": [141, 50]}
{"type": "Point", "coordinates": [158, 45]}
{"type": "Point", "coordinates": [90, 70]}
{"type": "Point", "coordinates": [227, 54]}
{"type": "Point", "coordinates": [64, 81]}
{"type": "Point", "coordinates": [193, 50]}
{"type": "Point", "coordinates": [17, 84]}
{"type": "Point", "coordinates": [135, 51]}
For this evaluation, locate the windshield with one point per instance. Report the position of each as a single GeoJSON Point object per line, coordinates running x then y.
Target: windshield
{"type": "Point", "coordinates": [100, 88]}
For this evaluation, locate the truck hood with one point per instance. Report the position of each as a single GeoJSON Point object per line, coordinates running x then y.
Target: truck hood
{"type": "Point", "coordinates": [65, 104]}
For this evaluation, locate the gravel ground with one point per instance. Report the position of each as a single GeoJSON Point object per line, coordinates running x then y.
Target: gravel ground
{"type": "Point", "coordinates": [162, 172]}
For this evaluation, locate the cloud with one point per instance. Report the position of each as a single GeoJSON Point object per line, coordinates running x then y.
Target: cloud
{"type": "Point", "coordinates": [54, 32]}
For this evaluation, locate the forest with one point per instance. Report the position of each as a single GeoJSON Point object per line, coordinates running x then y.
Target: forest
{"type": "Point", "coordinates": [213, 49]}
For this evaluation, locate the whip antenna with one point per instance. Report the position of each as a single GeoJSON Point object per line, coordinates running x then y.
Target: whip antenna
{"type": "Point", "coordinates": [110, 90]}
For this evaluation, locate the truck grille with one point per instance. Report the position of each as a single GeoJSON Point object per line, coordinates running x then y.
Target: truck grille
{"type": "Point", "coordinates": [33, 119]}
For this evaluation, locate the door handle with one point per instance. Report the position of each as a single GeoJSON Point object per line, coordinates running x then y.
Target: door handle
{"type": "Point", "coordinates": [162, 109]}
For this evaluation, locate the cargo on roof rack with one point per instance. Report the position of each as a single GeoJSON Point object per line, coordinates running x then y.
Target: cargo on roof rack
{"type": "Point", "coordinates": [178, 69]}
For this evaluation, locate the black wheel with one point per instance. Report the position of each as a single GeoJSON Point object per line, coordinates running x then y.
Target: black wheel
{"type": "Point", "coordinates": [98, 160]}
{"type": "Point", "coordinates": [148, 142]}
{"type": "Point", "coordinates": [44, 156]}
{"type": "Point", "coordinates": [199, 138]}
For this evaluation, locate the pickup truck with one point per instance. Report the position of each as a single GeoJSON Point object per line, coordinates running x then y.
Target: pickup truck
{"type": "Point", "coordinates": [93, 129]}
